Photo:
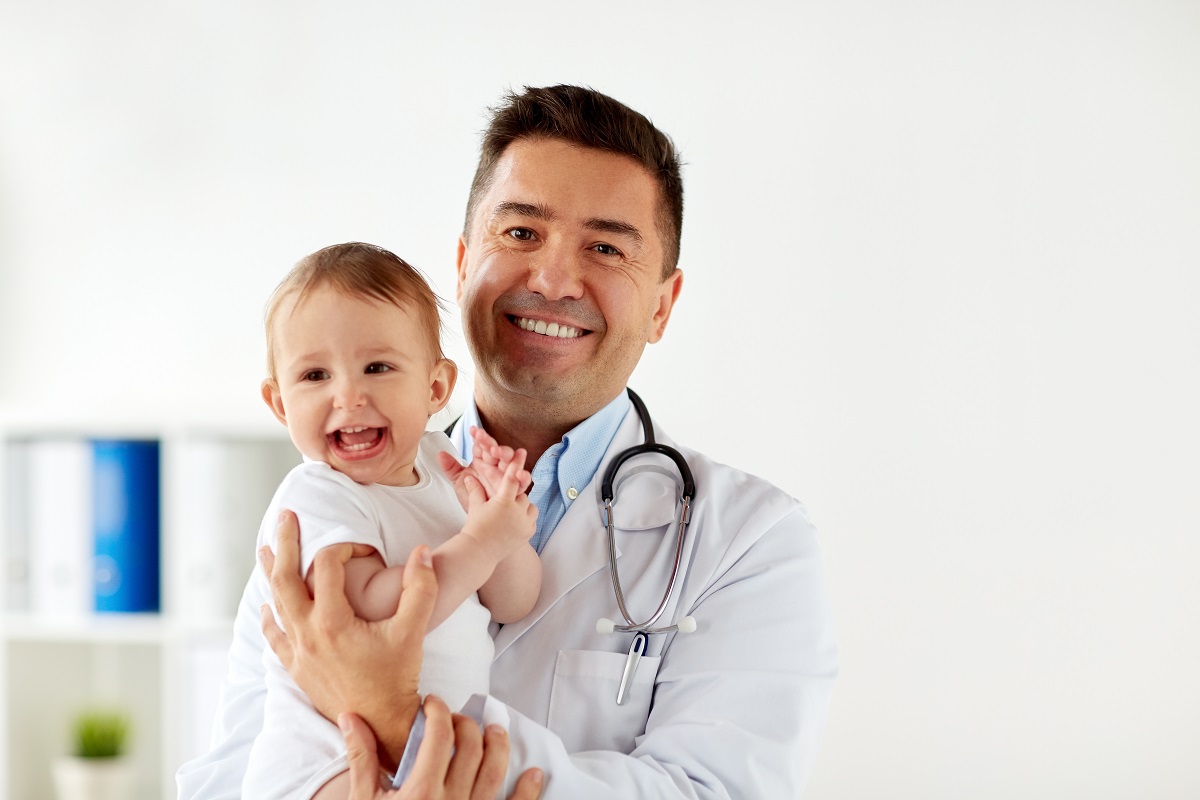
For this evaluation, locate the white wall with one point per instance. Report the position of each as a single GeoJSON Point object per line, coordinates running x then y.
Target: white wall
{"type": "Point", "coordinates": [952, 248]}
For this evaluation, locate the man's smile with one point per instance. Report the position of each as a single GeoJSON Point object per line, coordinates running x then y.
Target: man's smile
{"type": "Point", "coordinates": [553, 329]}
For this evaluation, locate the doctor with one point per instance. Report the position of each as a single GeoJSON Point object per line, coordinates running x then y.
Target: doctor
{"type": "Point", "coordinates": [566, 270]}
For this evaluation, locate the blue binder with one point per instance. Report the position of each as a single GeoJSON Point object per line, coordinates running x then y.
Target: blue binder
{"type": "Point", "coordinates": [126, 525]}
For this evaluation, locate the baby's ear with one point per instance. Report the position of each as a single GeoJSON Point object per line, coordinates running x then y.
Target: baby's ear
{"type": "Point", "coordinates": [441, 384]}
{"type": "Point", "coordinates": [273, 399]}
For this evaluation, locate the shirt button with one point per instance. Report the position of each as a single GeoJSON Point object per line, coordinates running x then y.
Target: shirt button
{"type": "Point", "coordinates": [572, 494]}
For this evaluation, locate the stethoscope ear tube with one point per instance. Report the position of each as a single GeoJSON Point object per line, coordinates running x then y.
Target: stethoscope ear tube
{"type": "Point", "coordinates": [649, 445]}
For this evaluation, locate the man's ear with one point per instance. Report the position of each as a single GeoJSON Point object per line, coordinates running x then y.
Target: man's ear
{"type": "Point", "coordinates": [668, 293]}
{"type": "Point", "coordinates": [441, 383]}
{"type": "Point", "coordinates": [460, 268]}
{"type": "Point", "coordinates": [273, 399]}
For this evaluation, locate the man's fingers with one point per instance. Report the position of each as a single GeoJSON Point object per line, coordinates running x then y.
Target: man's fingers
{"type": "Point", "coordinates": [529, 785]}
{"type": "Point", "coordinates": [267, 559]}
{"type": "Point", "coordinates": [275, 636]}
{"type": "Point", "coordinates": [291, 595]}
{"type": "Point", "coordinates": [361, 755]}
{"type": "Point", "coordinates": [417, 599]}
{"type": "Point", "coordinates": [329, 577]}
{"type": "Point", "coordinates": [494, 765]}
{"type": "Point", "coordinates": [464, 764]}
{"type": "Point", "coordinates": [433, 757]}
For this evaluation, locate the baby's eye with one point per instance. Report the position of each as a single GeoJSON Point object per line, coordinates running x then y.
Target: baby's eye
{"type": "Point", "coordinates": [316, 375]}
{"type": "Point", "coordinates": [376, 368]}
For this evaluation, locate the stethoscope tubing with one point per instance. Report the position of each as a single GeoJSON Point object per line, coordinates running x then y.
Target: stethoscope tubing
{"type": "Point", "coordinates": [606, 494]}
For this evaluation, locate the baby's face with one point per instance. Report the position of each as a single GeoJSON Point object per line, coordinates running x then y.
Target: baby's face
{"type": "Point", "coordinates": [356, 383]}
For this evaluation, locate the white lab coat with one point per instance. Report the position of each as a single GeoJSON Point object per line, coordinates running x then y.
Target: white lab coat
{"type": "Point", "coordinates": [734, 710]}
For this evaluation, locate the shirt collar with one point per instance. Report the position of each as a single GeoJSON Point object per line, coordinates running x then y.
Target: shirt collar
{"type": "Point", "coordinates": [579, 453]}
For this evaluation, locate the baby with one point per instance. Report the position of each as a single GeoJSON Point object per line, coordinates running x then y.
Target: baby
{"type": "Point", "coordinates": [355, 371]}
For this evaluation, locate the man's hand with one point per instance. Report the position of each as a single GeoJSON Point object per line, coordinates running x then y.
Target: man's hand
{"type": "Point", "coordinates": [456, 761]}
{"type": "Point", "coordinates": [343, 663]}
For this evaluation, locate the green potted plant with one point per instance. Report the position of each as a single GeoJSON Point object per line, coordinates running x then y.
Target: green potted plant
{"type": "Point", "coordinates": [97, 768]}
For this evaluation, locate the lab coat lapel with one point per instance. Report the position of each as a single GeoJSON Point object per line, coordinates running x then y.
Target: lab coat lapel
{"type": "Point", "coordinates": [578, 546]}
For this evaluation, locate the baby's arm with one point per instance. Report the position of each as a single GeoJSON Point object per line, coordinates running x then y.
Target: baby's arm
{"type": "Point", "coordinates": [372, 587]}
{"type": "Point", "coordinates": [513, 589]}
{"type": "Point", "coordinates": [498, 528]}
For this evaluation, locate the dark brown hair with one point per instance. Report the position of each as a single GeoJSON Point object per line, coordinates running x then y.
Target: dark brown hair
{"type": "Point", "coordinates": [364, 271]}
{"type": "Point", "coordinates": [588, 118]}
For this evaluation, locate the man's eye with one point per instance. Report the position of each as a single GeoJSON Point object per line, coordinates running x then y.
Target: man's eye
{"type": "Point", "coordinates": [606, 249]}
{"type": "Point", "coordinates": [316, 375]}
{"type": "Point", "coordinates": [376, 368]}
{"type": "Point", "coordinates": [521, 234]}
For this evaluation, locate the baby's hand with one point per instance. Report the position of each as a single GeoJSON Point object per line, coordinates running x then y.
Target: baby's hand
{"type": "Point", "coordinates": [493, 459]}
{"type": "Point", "coordinates": [488, 465]}
{"type": "Point", "coordinates": [503, 521]}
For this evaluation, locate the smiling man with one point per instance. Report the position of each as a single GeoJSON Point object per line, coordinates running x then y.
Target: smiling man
{"type": "Point", "coordinates": [563, 281]}
{"type": "Point", "coordinates": [567, 269]}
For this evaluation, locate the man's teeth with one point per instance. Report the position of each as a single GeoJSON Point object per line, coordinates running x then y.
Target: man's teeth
{"type": "Point", "coordinates": [548, 328]}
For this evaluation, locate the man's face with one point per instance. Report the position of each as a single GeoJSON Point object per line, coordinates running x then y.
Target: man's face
{"type": "Point", "coordinates": [560, 278]}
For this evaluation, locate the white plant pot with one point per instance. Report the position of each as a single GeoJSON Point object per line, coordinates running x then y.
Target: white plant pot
{"type": "Point", "coordinates": [93, 778]}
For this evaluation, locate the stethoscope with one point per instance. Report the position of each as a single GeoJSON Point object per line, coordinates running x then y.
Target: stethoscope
{"type": "Point", "coordinates": [642, 630]}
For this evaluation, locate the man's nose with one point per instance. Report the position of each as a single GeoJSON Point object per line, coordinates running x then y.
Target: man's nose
{"type": "Point", "coordinates": [349, 393]}
{"type": "Point", "coordinates": [556, 274]}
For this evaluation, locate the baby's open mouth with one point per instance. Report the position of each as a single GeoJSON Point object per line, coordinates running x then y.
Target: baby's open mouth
{"type": "Point", "coordinates": [357, 439]}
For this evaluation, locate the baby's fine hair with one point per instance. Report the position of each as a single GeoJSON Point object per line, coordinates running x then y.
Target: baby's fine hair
{"type": "Point", "coordinates": [363, 271]}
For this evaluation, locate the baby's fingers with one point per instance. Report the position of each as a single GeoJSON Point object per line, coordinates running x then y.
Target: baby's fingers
{"type": "Point", "coordinates": [482, 438]}
{"type": "Point", "coordinates": [510, 481]}
{"type": "Point", "coordinates": [475, 492]}
{"type": "Point", "coordinates": [504, 453]}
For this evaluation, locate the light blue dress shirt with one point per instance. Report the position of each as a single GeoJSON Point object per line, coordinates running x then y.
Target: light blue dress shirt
{"type": "Point", "coordinates": [561, 474]}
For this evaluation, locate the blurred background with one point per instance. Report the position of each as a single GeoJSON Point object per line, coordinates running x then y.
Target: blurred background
{"type": "Point", "coordinates": [942, 278]}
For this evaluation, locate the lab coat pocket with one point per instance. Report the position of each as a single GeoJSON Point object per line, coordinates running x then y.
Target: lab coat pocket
{"type": "Point", "coordinates": [583, 700]}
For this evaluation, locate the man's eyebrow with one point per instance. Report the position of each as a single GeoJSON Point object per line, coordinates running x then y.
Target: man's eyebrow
{"type": "Point", "coordinates": [614, 226]}
{"type": "Point", "coordinates": [513, 208]}
{"type": "Point", "coordinates": [539, 211]}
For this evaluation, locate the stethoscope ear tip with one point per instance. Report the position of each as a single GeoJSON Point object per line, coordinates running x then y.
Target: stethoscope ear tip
{"type": "Point", "coordinates": [686, 625]}
{"type": "Point", "coordinates": [604, 625]}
